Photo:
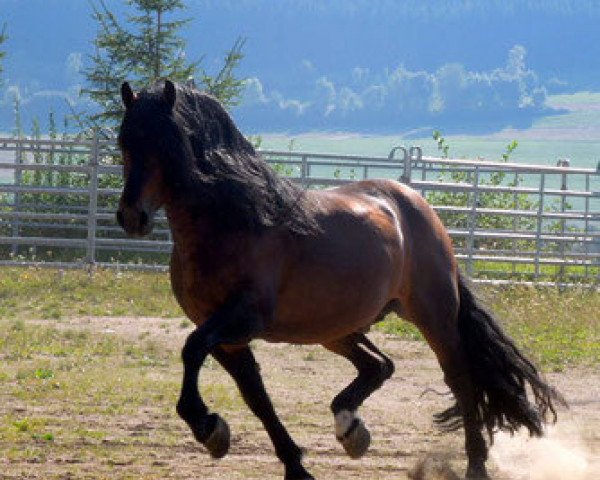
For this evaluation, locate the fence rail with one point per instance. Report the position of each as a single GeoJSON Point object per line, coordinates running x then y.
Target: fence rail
{"type": "Point", "coordinates": [508, 221]}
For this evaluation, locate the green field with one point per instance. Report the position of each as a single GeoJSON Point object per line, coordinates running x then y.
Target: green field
{"type": "Point", "coordinates": [558, 328]}
{"type": "Point", "coordinates": [574, 134]}
{"type": "Point", "coordinates": [582, 153]}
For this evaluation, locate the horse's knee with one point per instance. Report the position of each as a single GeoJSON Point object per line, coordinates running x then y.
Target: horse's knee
{"type": "Point", "coordinates": [379, 372]}
{"type": "Point", "coordinates": [388, 369]}
{"type": "Point", "coordinates": [192, 350]}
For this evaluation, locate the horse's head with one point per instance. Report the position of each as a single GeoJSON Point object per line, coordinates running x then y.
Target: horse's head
{"type": "Point", "coordinates": [144, 138]}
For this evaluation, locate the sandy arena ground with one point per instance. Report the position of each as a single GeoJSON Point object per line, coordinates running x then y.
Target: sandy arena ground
{"type": "Point", "coordinates": [302, 381]}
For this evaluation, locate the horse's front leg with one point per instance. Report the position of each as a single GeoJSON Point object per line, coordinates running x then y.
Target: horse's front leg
{"type": "Point", "coordinates": [374, 368]}
{"type": "Point", "coordinates": [242, 367]}
{"type": "Point", "coordinates": [235, 322]}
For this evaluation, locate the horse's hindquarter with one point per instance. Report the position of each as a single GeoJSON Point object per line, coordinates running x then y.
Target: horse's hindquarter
{"type": "Point", "coordinates": [338, 280]}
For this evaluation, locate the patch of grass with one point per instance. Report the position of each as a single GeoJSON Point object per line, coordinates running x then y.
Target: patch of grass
{"type": "Point", "coordinates": [57, 294]}
{"type": "Point", "coordinates": [77, 397]}
{"type": "Point", "coordinates": [21, 425]}
{"type": "Point", "coordinates": [47, 437]}
{"type": "Point", "coordinates": [91, 434]}
{"type": "Point", "coordinates": [30, 342]}
{"type": "Point", "coordinates": [575, 274]}
{"type": "Point", "coordinates": [394, 325]}
{"type": "Point", "coordinates": [557, 328]}
{"type": "Point", "coordinates": [43, 374]}
{"type": "Point", "coordinates": [185, 323]}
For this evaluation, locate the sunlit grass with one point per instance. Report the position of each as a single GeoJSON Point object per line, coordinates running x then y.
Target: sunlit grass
{"type": "Point", "coordinates": [73, 394]}
{"type": "Point", "coordinates": [557, 327]}
{"type": "Point", "coordinates": [54, 294]}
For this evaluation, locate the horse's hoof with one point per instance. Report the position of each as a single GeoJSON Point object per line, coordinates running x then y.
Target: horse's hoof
{"type": "Point", "coordinates": [357, 441]}
{"type": "Point", "coordinates": [308, 476]}
{"type": "Point", "coordinates": [218, 441]}
{"type": "Point", "coordinates": [297, 472]}
{"type": "Point", "coordinates": [477, 473]}
{"type": "Point", "coordinates": [355, 437]}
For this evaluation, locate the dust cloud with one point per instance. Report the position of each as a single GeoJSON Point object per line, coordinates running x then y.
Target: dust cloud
{"type": "Point", "coordinates": [561, 455]}
{"type": "Point", "coordinates": [433, 467]}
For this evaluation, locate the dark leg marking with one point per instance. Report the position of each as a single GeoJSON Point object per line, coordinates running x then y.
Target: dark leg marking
{"type": "Point", "coordinates": [374, 368]}
{"type": "Point", "coordinates": [475, 445]}
{"type": "Point", "coordinates": [242, 367]}
{"type": "Point", "coordinates": [233, 323]}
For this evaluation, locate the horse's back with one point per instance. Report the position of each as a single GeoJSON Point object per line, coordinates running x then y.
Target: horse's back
{"type": "Point", "coordinates": [380, 243]}
{"type": "Point", "coordinates": [338, 278]}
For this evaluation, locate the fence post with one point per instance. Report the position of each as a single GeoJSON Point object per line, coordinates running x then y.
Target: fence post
{"type": "Point", "coordinates": [18, 180]}
{"type": "Point", "coordinates": [515, 205]}
{"type": "Point", "coordinates": [538, 232]}
{"type": "Point", "coordinates": [405, 177]}
{"type": "Point", "coordinates": [304, 171]}
{"type": "Point", "coordinates": [565, 162]}
{"type": "Point", "coordinates": [416, 154]}
{"type": "Point", "coordinates": [473, 223]}
{"type": "Point", "coordinates": [93, 199]}
{"type": "Point", "coordinates": [586, 230]}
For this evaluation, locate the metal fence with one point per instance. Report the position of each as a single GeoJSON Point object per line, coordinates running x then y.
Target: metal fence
{"type": "Point", "coordinates": [508, 221]}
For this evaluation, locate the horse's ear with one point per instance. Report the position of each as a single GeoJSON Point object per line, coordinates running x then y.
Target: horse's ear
{"type": "Point", "coordinates": [170, 93]}
{"type": "Point", "coordinates": [127, 94]}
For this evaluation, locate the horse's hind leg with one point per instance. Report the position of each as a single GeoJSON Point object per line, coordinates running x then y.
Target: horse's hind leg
{"type": "Point", "coordinates": [242, 367]}
{"type": "Point", "coordinates": [374, 368]}
{"type": "Point", "coordinates": [433, 310]}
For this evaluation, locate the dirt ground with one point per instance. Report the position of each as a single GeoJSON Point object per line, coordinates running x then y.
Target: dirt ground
{"type": "Point", "coordinates": [302, 381]}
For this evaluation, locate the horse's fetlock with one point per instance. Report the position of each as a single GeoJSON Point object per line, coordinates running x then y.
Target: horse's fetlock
{"type": "Point", "coordinates": [344, 420]}
{"type": "Point", "coordinates": [290, 454]}
{"type": "Point", "coordinates": [189, 410]}
{"type": "Point", "coordinates": [388, 369]}
{"type": "Point", "coordinates": [294, 470]}
{"type": "Point", "coordinates": [184, 410]}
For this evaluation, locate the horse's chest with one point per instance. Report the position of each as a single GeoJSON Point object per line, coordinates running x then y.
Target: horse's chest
{"type": "Point", "coordinates": [198, 292]}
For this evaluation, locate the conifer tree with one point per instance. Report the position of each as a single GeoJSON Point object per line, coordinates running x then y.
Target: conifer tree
{"type": "Point", "coordinates": [144, 48]}
{"type": "Point", "coordinates": [18, 128]}
{"type": "Point", "coordinates": [3, 38]}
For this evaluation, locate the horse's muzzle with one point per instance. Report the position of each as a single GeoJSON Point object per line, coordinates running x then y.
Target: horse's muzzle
{"type": "Point", "coordinates": [136, 223]}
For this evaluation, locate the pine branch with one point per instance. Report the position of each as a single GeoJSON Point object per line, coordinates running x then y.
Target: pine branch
{"type": "Point", "coordinates": [3, 38]}
{"type": "Point", "coordinates": [145, 47]}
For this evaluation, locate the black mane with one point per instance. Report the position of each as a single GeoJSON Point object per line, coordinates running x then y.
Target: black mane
{"type": "Point", "coordinates": [233, 183]}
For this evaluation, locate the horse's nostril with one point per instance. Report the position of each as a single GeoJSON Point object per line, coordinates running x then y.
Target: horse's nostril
{"type": "Point", "coordinates": [143, 219]}
{"type": "Point", "coordinates": [120, 219]}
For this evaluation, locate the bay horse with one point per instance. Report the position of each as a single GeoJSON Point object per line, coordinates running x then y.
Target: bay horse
{"type": "Point", "coordinates": [257, 257]}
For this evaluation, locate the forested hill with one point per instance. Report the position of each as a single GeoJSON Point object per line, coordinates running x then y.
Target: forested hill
{"type": "Point", "coordinates": [351, 65]}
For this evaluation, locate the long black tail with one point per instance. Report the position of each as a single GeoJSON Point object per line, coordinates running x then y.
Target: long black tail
{"type": "Point", "coordinates": [500, 373]}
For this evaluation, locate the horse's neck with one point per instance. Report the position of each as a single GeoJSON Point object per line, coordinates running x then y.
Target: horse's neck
{"type": "Point", "coordinates": [186, 223]}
